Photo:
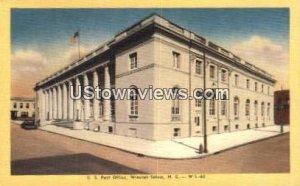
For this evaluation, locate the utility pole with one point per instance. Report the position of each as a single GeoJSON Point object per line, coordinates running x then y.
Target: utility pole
{"type": "Point", "coordinates": [204, 106]}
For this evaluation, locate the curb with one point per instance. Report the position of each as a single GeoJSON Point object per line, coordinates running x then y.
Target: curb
{"type": "Point", "coordinates": [156, 157]}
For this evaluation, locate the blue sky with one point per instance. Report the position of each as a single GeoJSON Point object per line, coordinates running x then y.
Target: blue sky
{"type": "Point", "coordinates": [43, 28]}
{"type": "Point", "coordinates": [41, 37]}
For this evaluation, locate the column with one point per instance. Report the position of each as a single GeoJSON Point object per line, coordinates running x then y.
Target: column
{"type": "Point", "coordinates": [96, 101]}
{"type": "Point", "coordinates": [54, 103]}
{"type": "Point", "coordinates": [70, 102]}
{"type": "Point", "coordinates": [77, 102]}
{"type": "Point", "coordinates": [46, 105]}
{"type": "Point", "coordinates": [65, 101]}
{"type": "Point", "coordinates": [50, 104]}
{"type": "Point", "coordinates": [59, 102]}
{"type": "Point", "coordinates": [106, 102]}
{"type": "Point", "coordinates": [87, 113]}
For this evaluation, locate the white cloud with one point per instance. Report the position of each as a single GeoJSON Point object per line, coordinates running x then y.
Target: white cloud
{"type": "Point", "coordinates": [266, 54]}
{"type": "Point", "coordinates": [30, 66]}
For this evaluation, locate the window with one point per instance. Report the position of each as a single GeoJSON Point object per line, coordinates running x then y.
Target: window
{"type": "Point", "coordinates": [176, 60]}
{"type": "Point", "coordinates": [236, 107]}
{"type": "Point", "coordinates": [110, 129]}
{"type": "Point", "coordinates": [91, 109]}
{"type": "Point", "coordinates": [212, 71]}
{"type": "Point", "coordinates": [33, 105]}
{"type": "Point", "coordinates": [255, 108]}
{"type": "Point", "coordinates": [101, 110]}
{"type": "Point", "coordinates": [133, 102]}
{"type": "Point", "coordinates": [24, 114]}
{"type": "Point", "coordinates": [262, 108]}
{"type": "Point", "coordinates": [262, 88]}
{"type": "Point", "coordinates": [133, 60]}
{"type": "Point", "coordinates": [263, 125]}
{"type": "Point", "coordinates": [255, 86]}
{"type": "Point", "coordinates": [223, 108]}
{"type": "Point", "coordinates": [223, 75]}
{"type": "Point", "coordinates": [248, 83]}
{"type": "Point", "coordinates": [256, 125]}
{"type": "Point", "coordinates": [247, 111]}
{"type": "Point", "coordinates": [225, 127]}
{"type": "Point", "coordinates": [21, 105]}
{"type": "Point", "coordinates": [248, 126]}
{"type": "Point", "coordinates": [236, 126]}
{"type": "Point", "coordinates": [198, 67]}
{"type": "Point", "coordinates": [212, 107]}
{"type": "Point", "coordinates": [236, 80]}
{"type": "Point", "coordinates": [198, 103]}
{"type": "Point", "coordinates": [15, 105]}
{"type": "Point", "coordinates": [176, 132]}
{"type": "Point", "coordinates": [214, 128]}
{"type": "Point", "coordinates": [175, 112]}
{"type": "Point", "coordinates": [268, 90]}
{"type": "Point", "coordinates": [268, 110]}
{"type": "Point", "coordinates": [197, 120]}
{"type": "Point", "coordinates": [27, 105]}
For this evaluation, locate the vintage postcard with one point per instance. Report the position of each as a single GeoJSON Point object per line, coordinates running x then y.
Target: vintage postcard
{"type": "Point", "coordinates": [143, 94]}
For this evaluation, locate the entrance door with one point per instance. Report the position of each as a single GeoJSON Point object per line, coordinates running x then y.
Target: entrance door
{"type": "Point", "coordinates": [13, 115]}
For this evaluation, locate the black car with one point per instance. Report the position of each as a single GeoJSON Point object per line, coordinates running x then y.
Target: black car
{"type": "Point", "coordinates": [29, 124]}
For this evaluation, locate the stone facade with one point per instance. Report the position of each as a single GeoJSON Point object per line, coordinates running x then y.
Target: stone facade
{"type": "Point", "coordinates": [159, 53]}
{"type": "Point", "coordinates": [22, 107]}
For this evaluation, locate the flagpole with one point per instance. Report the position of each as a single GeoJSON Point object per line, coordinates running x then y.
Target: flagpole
{"type": "Point", "coordinates": [78, 44]}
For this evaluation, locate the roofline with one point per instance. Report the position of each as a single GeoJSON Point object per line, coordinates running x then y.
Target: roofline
{"type": "Point", "coordinates": [123, 34]}
{"type": "Point", "coordinates": [23, 98]}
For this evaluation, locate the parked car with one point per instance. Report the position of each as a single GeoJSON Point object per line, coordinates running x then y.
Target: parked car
{"type": "Point", "coordinates": [29, 124]}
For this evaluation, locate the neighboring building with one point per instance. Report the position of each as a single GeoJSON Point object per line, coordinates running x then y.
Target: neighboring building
{"type": "Point", "coordinates": [158, 52]}
{"type": "Point", "coordinates": [22, 107]}
{"type": "Point", "coordinates": [282, 107]}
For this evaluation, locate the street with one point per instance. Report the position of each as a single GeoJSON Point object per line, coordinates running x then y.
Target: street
{"type": "Point", "coordinates": [40, 152]}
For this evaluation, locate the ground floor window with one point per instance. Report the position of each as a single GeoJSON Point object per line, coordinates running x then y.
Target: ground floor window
{"type": "Point", "coordinates": [24, 114]}
{"type": "Point", "coordinates": [256, 125]}
{"type": "Point", "coordinates": [236, 126]}
{"type": "Point", "coordinates": [263, 125]}
{"type": "Point", "coordinates": [197, 120]}
{"type": "Point", "coordinates": [214, 128]}
{"type": "Point", "coordinates": [110, 129]}
{"type": "Point", "coordinates": [248, 126]}
{"type": "Point", "coordinates": [176, 132]}
{"type": "Point", "coordinates": [225, 127]}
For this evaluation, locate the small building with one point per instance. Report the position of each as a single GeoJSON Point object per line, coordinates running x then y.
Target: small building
{"type": "Point", "coordinates": [282, 107]}
{"type": "Point", "coordinates": [21, 108]}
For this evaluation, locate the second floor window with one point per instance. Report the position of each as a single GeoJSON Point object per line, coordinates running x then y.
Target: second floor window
{"type": "Point", "coordinates": [133, 102]}
{"type": "Point", "coordinates": [27, 105]}
{"type": "Point", "coordinates": [198, 103]}
{"type": "Point", "coordinates": [212, 109]}
{"type": "Point", "coordinates": [262, 88]}
{"type": "Point", "coordinates": [133, 60]}
{"type": "Point", "coordinates": [247, 112]}
{"type": "Point", "coordinates": [176, 60]}
{"type": "Point", "coordinates": [15, 105]}
{"type": "Point", "coordinates": [21, 105]}
{"type": "Point", "coordinates": [223, 108]}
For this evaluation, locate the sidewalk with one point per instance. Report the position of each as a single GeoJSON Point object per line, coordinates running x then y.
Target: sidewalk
{"type": "Point", "coordinates": [172, 149]}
